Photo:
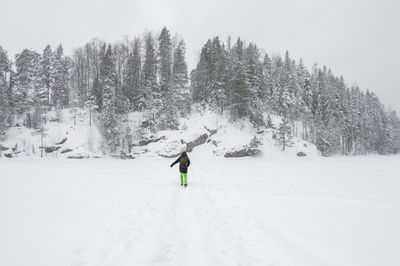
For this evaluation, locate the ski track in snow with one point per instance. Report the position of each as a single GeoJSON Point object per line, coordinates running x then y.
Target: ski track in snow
{"type": "Point", "coordinates": [206, 223]}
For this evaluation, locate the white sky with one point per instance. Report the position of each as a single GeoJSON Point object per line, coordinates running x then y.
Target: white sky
{"type": "Point", "coordinates": [358, 39]}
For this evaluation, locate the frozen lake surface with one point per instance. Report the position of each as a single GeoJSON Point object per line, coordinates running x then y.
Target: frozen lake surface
{"type": "Point", "coordinates": [298, 211]}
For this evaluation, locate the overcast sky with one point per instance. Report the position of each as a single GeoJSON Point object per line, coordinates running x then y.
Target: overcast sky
{"type": "Point", "coordinates": [359, 39]}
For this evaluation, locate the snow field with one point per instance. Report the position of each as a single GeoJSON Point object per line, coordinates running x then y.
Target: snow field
{"type": "Point", "coordinates": [316, 211]}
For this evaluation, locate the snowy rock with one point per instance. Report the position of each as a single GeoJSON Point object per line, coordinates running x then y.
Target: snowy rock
{"type": "Point", "coordinates": [215, 143]}
{"type": "Point", "coordinates": [2, 148]}
{"type": "Point", "coordinates": [54, 119]}
{"type": "Point", "coordinates": [198, 141]}
{"type": "Point", "coordinates": [51, 149]}
{"type": "Point", "coordinates": [147, 124]}
{"type": "Point", "coordinates": [66, 150]}
{"type": "Point", "coordinates": [170, 155]}
{"type": "Point", "coordinates": [141, 151]}
{"type": "Point", "coordinates": [8, 155]}
{"type": "Point", "coordinates": [211, 131]}
{"type": "Point", "coordinates": [145, 142]}
{"type": "Point", "coordinates": [301, 154]}
{"type": "Point", "coordinates": [245, 151]}
{"type": "Point", "coordinates": [62, 141]}
{"type": "Point", "coordinates": [124, 155]}
{"type": "Point", "coordinates": [172, 149]}
{"type": "Point", "coordinates": [76, 157]}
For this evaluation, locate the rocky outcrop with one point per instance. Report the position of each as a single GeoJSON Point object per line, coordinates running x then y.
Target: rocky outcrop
{"type": "Point", "coordinates": [139, 151]}
{"type": "Point", "coordinates": [124, 155]}
{"type": "Point", "coordinates": [62, 141]}
{"type": "Point", "coordinates": [2, 148]}
{"type": "Point", "coordinates": [198, 141]}
{"type": "Point", "coordinates": [245, 151]}
{"type": "Point", "coordinates": [51, 149]}
{"type": "Point", "coordinates": [170, 155]}
{"type": "Point", "coordinates": [211, 131]}
{"type": "Point", "coordinates": [172, 149]}
{"type": "Point", "coordinates": [145, 142]}
{"type": "Point", "coordinates": [66, 150]}
{"type": "Point", "coordinates": [76, 157]}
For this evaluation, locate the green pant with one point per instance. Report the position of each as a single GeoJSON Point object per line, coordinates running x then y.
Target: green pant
{"type": "Point", "coordinates": [183, 178]}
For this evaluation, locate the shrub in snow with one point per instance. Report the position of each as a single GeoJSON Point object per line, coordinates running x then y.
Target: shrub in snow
{"type": "Point", "coordinates": [269, 123]}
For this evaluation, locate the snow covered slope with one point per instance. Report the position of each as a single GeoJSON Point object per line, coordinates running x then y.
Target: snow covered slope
{"type": "Point", "coordinates": [223, 136]}
{"type": "Point", "coordinates": [239, 211]}
{"type": "Point", "coordinates": [202, 132]}
{"type": "Point", "coordinates": [64, 130]}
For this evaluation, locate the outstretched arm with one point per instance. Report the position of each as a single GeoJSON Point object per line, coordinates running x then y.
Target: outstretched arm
{"type": "Point", "coordinates": [177, 160]}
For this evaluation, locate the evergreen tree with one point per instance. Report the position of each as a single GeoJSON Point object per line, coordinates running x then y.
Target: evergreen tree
{"type": "Point", "coordinates": [286, 88]}
{"type": "Point", "coordinates": [240, 102]}
{"type": "Point", "coordinates": [180, 80]}
{"type": "Point", "coordinates": [201, 77]}
{"type": "Point", "coordinates": [121, 55]}
{"type": "Point", "coordinates": [305, 98]}
{"type": "Point", "coordinates": [108, 83]}
{"type": "Point", "coordinates": [217, 76]}
{"type": "Point", "coordinates": [276, 97]}
{"type": "Point", "coordinates": [393, 132]}
{"type": "Point", "coordinates": [164, 55]}
{"type": "Point", "coordinates": [268, 84]}
{"type": "Point", "coordinates": [98, 88]}
{"type": "Point", "coordinates": [47, 75]}
{"type": "Point", "coordinates": [132, 78]}
{"type": "Point", "coordinates": [269, 123]}
{"type": "Point", "coordinates": [285, 136]}
{"type": "Point", "coordinates": [168, 114]}
{"type": "Point", "coordinates": [150, 89]}
{"type": "Point", "coordinates": [254, 78]}
{"type": "Point", "coordinates": [4, 103]}
{"type": "Point", "coordinates": [27, 81]}
{"type": "Point", "coordinates": [60, 86]}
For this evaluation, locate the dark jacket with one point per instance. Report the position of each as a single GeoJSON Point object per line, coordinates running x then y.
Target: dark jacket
{"type": "Point", "coordinates": [184, 163]}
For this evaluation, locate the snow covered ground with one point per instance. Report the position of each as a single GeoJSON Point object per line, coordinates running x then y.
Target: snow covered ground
{"type": "Point", "coordinates": [248, 211]}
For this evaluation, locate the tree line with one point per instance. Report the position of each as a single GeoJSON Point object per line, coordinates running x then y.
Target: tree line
{"type": "Point", "coordinates": [245, 83]}
{"type": "Point", "coordinates": [149, 73]}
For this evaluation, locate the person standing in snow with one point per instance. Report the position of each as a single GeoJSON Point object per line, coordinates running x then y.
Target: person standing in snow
{"type": "Point", "coordinates": [184, 163]}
